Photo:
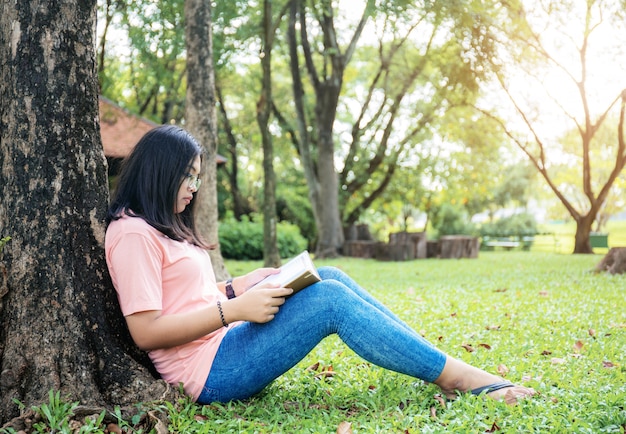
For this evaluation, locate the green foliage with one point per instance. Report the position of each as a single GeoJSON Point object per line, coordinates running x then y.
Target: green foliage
{"type": "Point", "coordinates": [3, 242]}
{"type": "Point", "coordinates": [244, 239]}
{"type": "Point", "coordinates": [54, 415]}
{"type": "Point", "coordinates": [522, 224]}
{"type": "Point", "coordinates": [293, 206]}
{"type": "Point", "coordinates": [452, 219]}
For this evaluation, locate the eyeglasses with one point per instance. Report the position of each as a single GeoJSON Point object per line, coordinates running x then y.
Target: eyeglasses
{"type": "Point", "coordinates": [193, 181]}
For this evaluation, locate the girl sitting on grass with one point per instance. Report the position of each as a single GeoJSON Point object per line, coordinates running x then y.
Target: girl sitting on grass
{"type": "Point", "coordinates": [220, 340]}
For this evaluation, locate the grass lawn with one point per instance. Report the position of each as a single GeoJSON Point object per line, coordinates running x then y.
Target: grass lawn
{"type": "Point", "coordinates": [543, 319]}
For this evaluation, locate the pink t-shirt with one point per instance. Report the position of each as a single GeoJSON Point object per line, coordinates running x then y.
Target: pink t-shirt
{"type": "Point", "coordinates": [153, 272]}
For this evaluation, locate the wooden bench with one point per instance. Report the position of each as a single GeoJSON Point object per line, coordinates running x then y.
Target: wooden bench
{"type": "Point", "coordinates": [599, 240]}
{"type": "Point", "coordinates": [505, 244]}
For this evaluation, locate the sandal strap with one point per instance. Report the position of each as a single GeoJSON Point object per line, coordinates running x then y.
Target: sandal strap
{"type": "Point", "coordinates": [492, 387]}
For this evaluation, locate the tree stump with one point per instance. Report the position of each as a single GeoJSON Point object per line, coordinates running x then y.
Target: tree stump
{"type": "Point", "coordinates": [432, 249]}
{"type": "Point", "coordinates": [394, 252]}
{"type": "Point", "coordinates": [458, 246]}
{"type": "Point", "coordinates": [359, 248]}
{"type": "Point", "coordinates": [614, 262]}
{"type": "Point", "coordinates": [417, 241]}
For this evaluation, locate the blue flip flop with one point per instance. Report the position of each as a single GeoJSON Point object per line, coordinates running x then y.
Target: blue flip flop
{"type": "Point", "coordinates": [492, 387]}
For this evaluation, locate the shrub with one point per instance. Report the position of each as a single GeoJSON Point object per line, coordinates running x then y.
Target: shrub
{"type": "Point", "coordinates": [452, 220]}
{"type": "Point", "coordinates": [520, 225]}
{"type": "Point", "coordinates": [243, 240]}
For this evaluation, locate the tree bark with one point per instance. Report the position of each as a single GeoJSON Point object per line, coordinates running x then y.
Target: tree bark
{"type": "Point", "coordinates": [202, 120]}
{"type": "Point", "coordinates": [61, 327]}
{"type": "Point", "coordinates": [263, 111]}
{"type": "Point", "coordinates": [319, 163]}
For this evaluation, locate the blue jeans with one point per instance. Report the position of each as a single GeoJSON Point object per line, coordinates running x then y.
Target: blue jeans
{"type": "Point", "coordinates": [252, 355]}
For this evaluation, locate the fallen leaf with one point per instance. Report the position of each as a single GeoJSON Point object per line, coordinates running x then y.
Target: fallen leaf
{"type": "Point", "coordinates": [501, 290]}
{"type": "Point", "coordinates": [344, 428]}
{"type": "Point", "coordinates": [608, 364]}
{"type": "Point", "coordinates": [433, 412]}
{"type": "Point", "coordinates": [486, 346]}
{"type": "Point", "coordinates": [557, 361]}
{"type": "Point", "coordinates": [543, 293]}
{"type": "Point", "coordinates": [313, 367]}
{"type": "Point", "coordinates": [453, 314]}
{"type": "Point", "coordinates": [114, 428]}
{"type": "Point", "coordinates": [503, 370]}
{"type": "Point", "coordinates": [493, 327]}
{"type": "Point", "coordinates": [578, 345]}
{"type": "Point", "coordinates": [440, 400]}
{"type": "Point", "coordinates": [494, 428]}
{"type": "Point", "coordinates": [546, 352]}
{"type": "Point", "coordinates": [468, 348]}
{"type": "Point", "coordinates": [325, 374]}
{"type": "Point", "coordinates": [554, 399]}
{"type": "Point", "coordinates": [592, 333]}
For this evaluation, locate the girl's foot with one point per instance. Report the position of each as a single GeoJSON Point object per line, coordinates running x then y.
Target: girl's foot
{"type": "Point", "coordinates": [459, 377]}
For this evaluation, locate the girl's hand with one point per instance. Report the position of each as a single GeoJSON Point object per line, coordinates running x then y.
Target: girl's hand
{"type": "Point", "coordinates": [260, 305]}
{"type": "Point", "coordinates": [252, 278]}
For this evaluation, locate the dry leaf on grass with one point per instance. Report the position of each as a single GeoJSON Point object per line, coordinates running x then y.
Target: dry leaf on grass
{"type": "Point", "coordinates": [468, 348]}
{"type": "Point", "coordinates": [578, 345]}
{"type": "Point", "coordinates": [502, 370]}
{"type": "Point", "coordinates": [440, 400]}
{"type": "Point", "coordinates": [344, 428]}
{"type": "Point", "coordinates": [494, 428]}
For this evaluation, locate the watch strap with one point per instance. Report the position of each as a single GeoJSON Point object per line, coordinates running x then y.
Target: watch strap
{"type": "Point", "coordinates": [230, 292]}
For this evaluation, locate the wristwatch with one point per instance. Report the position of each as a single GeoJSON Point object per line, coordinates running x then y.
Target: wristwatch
{"type": "Point", "coordinates": [230, 292]}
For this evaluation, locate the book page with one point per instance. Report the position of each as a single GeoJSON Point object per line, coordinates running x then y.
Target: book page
{"type": "Point", "coordinates": [300, 265]}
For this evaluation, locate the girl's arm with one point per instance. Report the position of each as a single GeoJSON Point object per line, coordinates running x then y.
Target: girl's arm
{"type": "Point", "coordinates": [243, 283]}
{"type": "Point", "coordinates": [151, 330]}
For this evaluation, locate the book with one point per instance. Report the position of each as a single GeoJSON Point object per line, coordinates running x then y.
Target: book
{"type": "Point", "coordinates": [296, 274]}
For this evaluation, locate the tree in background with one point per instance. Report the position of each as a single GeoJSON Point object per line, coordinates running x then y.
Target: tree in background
{"type": "Point", "coordinates": [557, 56]}
{"type": "Point", "coordinates": [200, 119]}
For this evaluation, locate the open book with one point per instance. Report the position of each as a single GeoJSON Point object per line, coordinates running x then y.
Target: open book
{"type": "Point", "coordinates": [298, 273]}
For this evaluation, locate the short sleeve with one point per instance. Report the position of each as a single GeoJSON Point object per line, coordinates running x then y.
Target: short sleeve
{"type": "Point", "coordinates": [135, 263]}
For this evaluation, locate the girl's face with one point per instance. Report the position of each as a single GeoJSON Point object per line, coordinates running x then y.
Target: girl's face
{"type": "Point", "coordinates": [189, 186]}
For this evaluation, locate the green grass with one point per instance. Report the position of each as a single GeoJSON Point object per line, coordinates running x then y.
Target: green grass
{"type": "Point", "coordinates": [553, 324]}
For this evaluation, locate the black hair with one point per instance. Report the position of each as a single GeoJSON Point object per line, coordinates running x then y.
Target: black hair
{"type": "Point", "coordinates": [150, 179]}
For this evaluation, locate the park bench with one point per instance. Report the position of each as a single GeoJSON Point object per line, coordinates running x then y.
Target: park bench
{"type": "Point", "coordinates": [599, 240]}
{"type": "Point", "coordinates": [504, 243]}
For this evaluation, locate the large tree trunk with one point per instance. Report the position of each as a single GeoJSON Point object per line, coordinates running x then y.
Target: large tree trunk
{"type": "Point", "coordinates": [326, 80]}
{"type": "Point", "coordinates": [582, 243]}
{"type": "Point", "coordinates": [202, 120]}
{"type": "Point", "coordinates": [60, 324]}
